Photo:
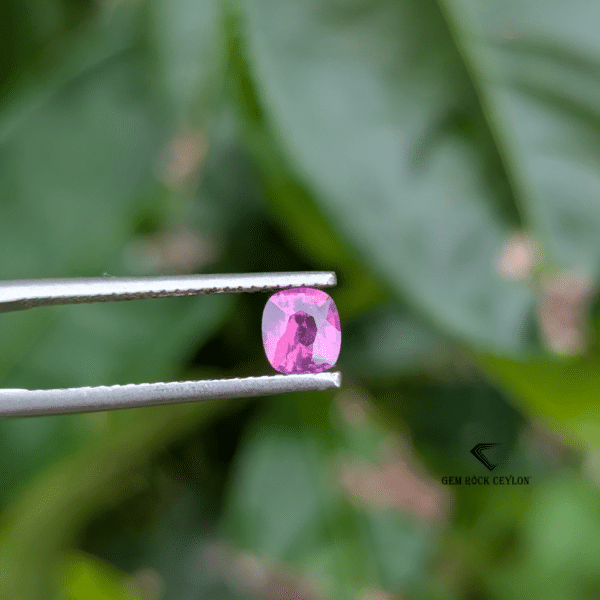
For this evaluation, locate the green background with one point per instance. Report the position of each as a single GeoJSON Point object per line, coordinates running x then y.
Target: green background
{"type": "Point", "coordinates": [401, 144]}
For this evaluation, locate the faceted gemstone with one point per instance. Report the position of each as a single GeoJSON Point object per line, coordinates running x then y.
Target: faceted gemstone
{"type": "Point", "coordinates": [301, 331]}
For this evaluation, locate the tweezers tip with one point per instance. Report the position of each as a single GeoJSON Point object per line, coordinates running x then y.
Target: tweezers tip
{"type": "Point", "coordinates": [337, 379]}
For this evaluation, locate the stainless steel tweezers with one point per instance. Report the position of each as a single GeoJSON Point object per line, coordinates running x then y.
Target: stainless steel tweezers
{"type": "Point", "coordinates": [19, 295]}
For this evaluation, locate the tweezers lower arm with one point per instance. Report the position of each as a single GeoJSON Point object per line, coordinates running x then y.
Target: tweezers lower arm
{"type": "Point", "coordinates": [22, 403]}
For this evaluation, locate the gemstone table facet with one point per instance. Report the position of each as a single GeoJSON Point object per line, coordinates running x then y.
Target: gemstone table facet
{"type": "Point", "coordinates": [301, 331]}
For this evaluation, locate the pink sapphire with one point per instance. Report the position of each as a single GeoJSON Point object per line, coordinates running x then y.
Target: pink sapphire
{"type": "Point", "coordinates": [301, 331]}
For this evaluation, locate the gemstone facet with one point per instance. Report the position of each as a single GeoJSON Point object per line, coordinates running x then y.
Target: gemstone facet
{"type": "Point", "coordinates": [301, 331]}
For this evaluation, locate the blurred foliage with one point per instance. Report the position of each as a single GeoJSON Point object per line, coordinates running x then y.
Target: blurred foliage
{"type": "Point", "coordinates": [443, 159]}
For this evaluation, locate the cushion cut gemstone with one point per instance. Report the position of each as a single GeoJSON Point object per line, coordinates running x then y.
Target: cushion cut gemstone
{"type": "Point", "coordinates": [301, 331]}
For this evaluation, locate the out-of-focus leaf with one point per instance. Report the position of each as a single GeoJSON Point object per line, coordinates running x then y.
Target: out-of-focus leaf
{"type": "Point", "coordinates": [32, 33]}
{"type": "Point", "coordinates": [537, 68]}
{"type": "Point", "coordinates": [79, 167]}
{"type": "Point", "coordinates": [264, 515]}
{"type": "Point", "coordinates": [99, 345]}
{"type": "Point", "coordinates": [559, 549]}
{"type": "Point", "coordinates": [76, 169]}
{"type": "Point", "coordinates": [298, 525]}
{"type": "Point", "coordinates": [387, 343]}
{"type": "Point", "coordinates": [308, 525]}
{"type": "Point", "coordinates": [85, 48]}
{"type": "Point", "coordinates": [377, 114]}
{"type": "Point", "coordinates": [447, 421]}
{"type": "Point", "coordinates": [77, 160]}
{"type": "Point", "coordinates": [564, 392]}
{"type": "Point", "coordinates": [189, 46]}
{"type": "Point", "coordinates": [291, 207]}
{"type": "Point", "coordinates": [86, 578]}
{"type": "Point", "coordinates": [401, 549]}
{"type": "Point", "coordinates": [74, 159]}
{"type": "Point", "coordinates": [542, 542]}
{"type": "Point", "coordinates": [185, 550]}
{"type": "Point", "coordinates": [106, 344]}
{"type": "Point", "coordinates": [44, 520]}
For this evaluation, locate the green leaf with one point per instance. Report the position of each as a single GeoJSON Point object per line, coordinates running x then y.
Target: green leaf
{"type": "Point", "coordinates": [564, 553]}
{"type": "Point", "coordinates": [77, 153]}
{"type": "Point", "coordinates": [562, 392]}
{"type": "Point", "coordinates": [189, 525]}
{"type": "Point", "coordinates": [376, 112]}
{"type": "Point", "coordinates": [45, 520]}
{"type": "Point", "coordinates": [290, 205]}
{"type": "Point", "coordinates": [389, 342]}
{"type": "Point", "coordinates": [540, 543]}
{"type": "Point", "coordinates": [98, 345]}
{"type": "Point", "coordinates": [187, 37]}
{"type": "Point", "coordinates": [87, 47]}
{"type": "Point", "coordinates": [401, 548]}
{"type": "Point", "coordinates": [86, 578]}
{"type": "Point", "coordinates": [307, 524]}
{"type": "Point", "coordinates": [75, 156]}
{"type": "Point", "coordinates": [537, 68]}
{"type": "Point", "coordinates": [263, 515]}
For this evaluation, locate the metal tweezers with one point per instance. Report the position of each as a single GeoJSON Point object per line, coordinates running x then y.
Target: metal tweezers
{"type": "Point", "coordinates": [19, 295]}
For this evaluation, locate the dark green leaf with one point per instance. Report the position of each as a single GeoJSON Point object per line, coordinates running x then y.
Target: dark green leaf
{"type": "Point", "coordinates": [562, 392]}
{"type": "Point", "coordinates": [537, 68]}
{"type": "Point", "coordinates": [378, 115]}
{"type": "Point", "coordinates": [188, 41]}
{"type": "Point", "coordinates": [307, 524]}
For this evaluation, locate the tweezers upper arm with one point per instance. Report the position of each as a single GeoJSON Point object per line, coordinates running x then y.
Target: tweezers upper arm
{"type": "Point", "coordinates": [19, 295]}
